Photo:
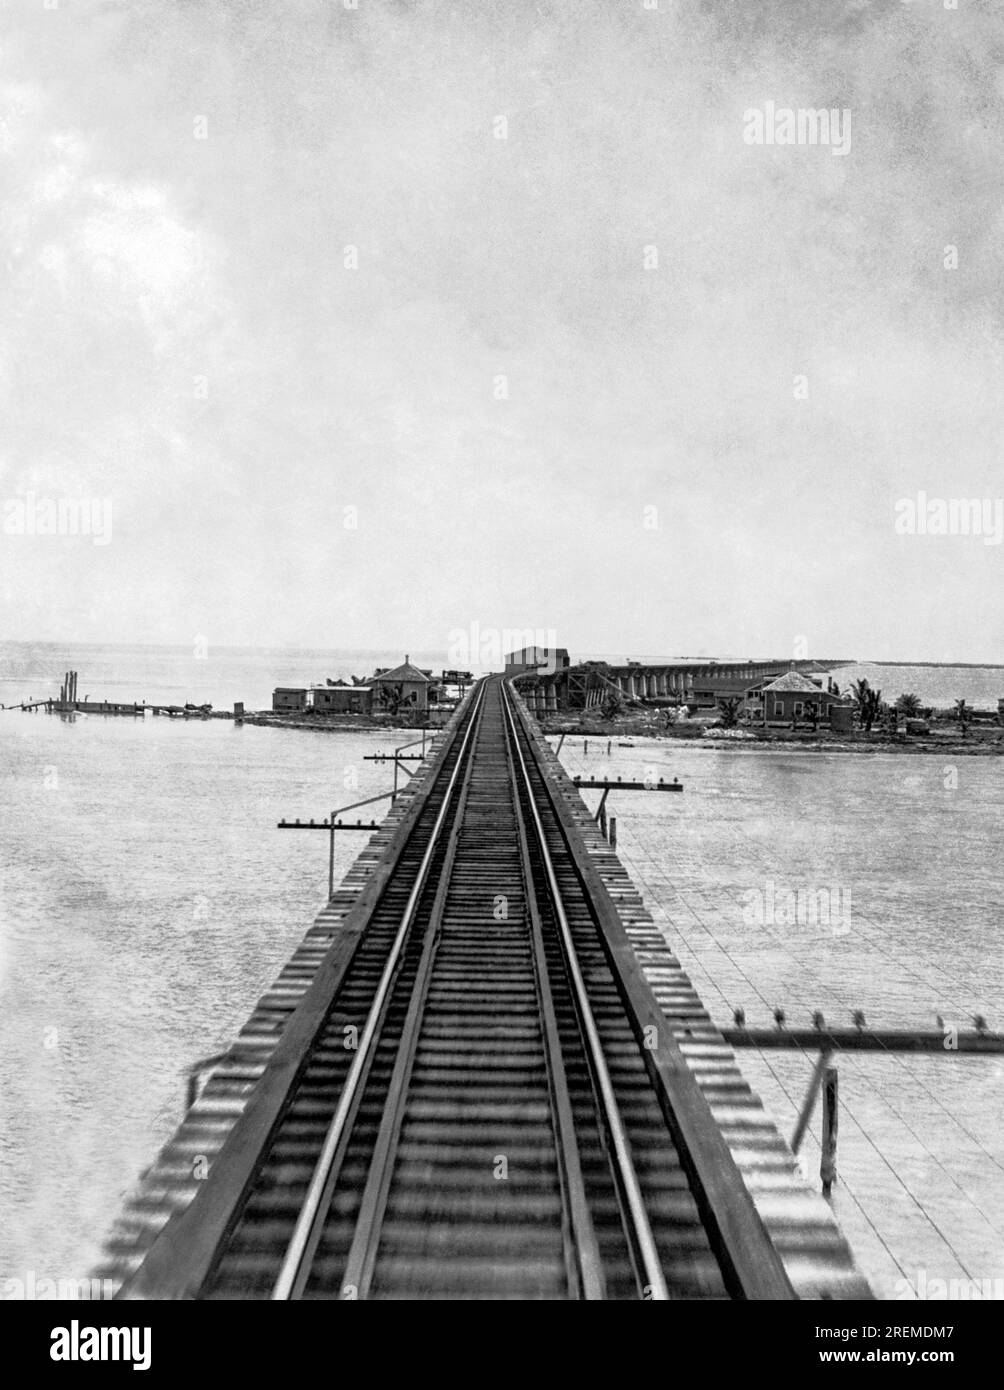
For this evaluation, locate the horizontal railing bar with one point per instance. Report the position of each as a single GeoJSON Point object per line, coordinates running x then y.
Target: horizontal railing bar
{"type": "Point", "coordinates": [864, 1040]}
{"type": "Point", "coordinates": [622, 786]}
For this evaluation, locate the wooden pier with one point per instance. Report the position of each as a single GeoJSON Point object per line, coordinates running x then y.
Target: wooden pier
{"type": "Point", "coordinates": [69, 702]}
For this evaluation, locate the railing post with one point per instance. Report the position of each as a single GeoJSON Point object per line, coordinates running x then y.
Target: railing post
{"type": "Point", "coordinates": [809, 1103]}
{"type": "Point", "coordinates": [331, 858]}
{"type": "Point", "coordinates": [613, 832]}
{"type": "Point", "coordinates": [828, 1160]}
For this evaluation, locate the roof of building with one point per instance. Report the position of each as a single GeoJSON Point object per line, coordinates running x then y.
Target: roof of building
{"type": "Point", "coordinates": [727, 685]}
{"type": "Point", "coordinates": [407, 672]}
{"type": "Point", "coordinates": [290, 690]}
{"type": "Point", "coordinates": [535, 653]}
{"type": "Point", "coordinates": [796, 682]}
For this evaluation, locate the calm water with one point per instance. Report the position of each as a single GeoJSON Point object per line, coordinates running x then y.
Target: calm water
{"type": "Point", "coordinates": [906, 853]}
{"type": "Point", "coordinates": [918, 862]}
{"type": "Point", "coordinates": [174, 675]}
{"type": "Point", "coordinates": [147, 901]}
{"type": "Point", "coordinates": [939, 686]}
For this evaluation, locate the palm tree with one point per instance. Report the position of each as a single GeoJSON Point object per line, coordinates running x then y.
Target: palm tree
{"type": "Point", "coordinates": [868, 701]}
{"type": "Point", "coordinates": [391, 698]}
{"type": "Point", "coordinates": [909, 705]}
{"type": "Point", "coordinates": [729, 707]}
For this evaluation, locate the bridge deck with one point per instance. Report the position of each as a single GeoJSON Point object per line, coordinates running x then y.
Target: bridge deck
{"type": "Point", "coordinates": [523, 1124]}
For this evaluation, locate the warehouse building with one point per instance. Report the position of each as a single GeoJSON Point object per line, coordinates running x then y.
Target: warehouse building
{"type": "Point", "coordinates": [342, 699]}
{"type": "Point", "coordinates": [546, 660]}
{"type": "Point", "coordinates": [289, 697]}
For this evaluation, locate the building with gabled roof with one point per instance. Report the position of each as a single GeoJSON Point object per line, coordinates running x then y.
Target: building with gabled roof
{"type": "Point", "coordinates": [792, 696]}
{"type": "Point", "coordinates": [404, 687]}
{"type": "Point", "coordinates": [793, 681]}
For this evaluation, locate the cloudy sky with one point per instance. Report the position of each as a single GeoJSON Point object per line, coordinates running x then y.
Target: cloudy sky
{"type": "Point", "coordinates": [352, 369]}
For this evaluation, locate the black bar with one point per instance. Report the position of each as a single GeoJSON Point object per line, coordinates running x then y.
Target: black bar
{"type": "Point", "coordinates": [864, 1040]}
{"type": "Point", "coordinates": [623, 786]}
{"type": "Point", "coordinates": [326, 825]}
{"type": "Point", "coordinates": [394, 758]}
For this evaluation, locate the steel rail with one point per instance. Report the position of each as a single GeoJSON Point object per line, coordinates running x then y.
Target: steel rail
{"type": "Point", "coordinates": [750, 1263]}
{"type": "Point", "coordinates": [179, 1263]}
{"type": "Point", "coordinates": [359, 1265]}
{"type": "Point", "coordinates": [654, 1280]}
{"type": "Point", "coordinates": [582, 1256]}
{"type": "Point", "coordinates": [305, 1224]}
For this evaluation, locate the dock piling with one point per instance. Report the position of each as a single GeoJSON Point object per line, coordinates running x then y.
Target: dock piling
{"type": "Point", "coordinates": [828, 1159]}
{"type": "Point", "coordinates": [819, 1072]}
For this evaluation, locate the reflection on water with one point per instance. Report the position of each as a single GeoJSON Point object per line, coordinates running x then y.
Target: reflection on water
{"type": "Point", "coordinates": [147, 901]}
{"type": "Point", "coordinates": [912, 842]}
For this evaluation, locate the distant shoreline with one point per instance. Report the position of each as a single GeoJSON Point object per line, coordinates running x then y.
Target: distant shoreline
{"type": "Point", "coordinates": [932, 665]}
{"type": "Point", "coordinates": [438, 653]}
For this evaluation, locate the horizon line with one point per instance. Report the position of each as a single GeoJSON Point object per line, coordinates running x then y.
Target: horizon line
{"type": "Point", "coordinates": [368, 651]}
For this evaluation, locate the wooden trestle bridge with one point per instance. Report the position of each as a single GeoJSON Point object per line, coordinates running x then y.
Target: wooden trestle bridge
{"type": "Point", "coordinates": [482, 1075]}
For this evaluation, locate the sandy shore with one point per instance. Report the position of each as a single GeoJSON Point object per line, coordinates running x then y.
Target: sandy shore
{"type": "Point", "coordinates": [981, 740]}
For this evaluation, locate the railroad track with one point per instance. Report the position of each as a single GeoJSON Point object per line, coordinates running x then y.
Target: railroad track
{"type": "Point", "coordinates": [479, 1096]}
